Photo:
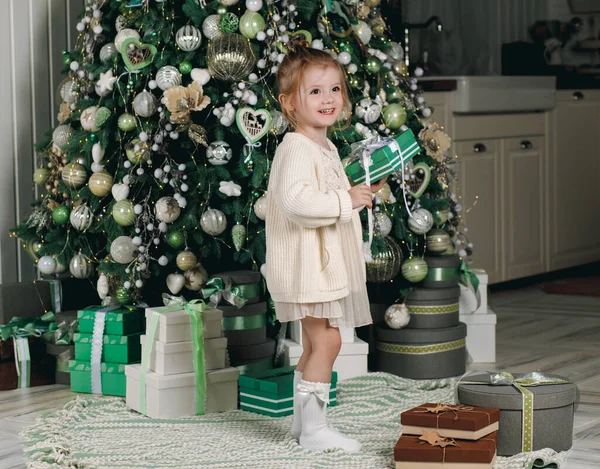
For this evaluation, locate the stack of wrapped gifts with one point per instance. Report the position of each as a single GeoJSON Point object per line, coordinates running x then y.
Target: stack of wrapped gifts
{"type": "Point", "coordinates": [184, 370]}
{"type": "Point", "coordinates": [108, 339]}
{"type": "Point", "coordinates": [440, 435]}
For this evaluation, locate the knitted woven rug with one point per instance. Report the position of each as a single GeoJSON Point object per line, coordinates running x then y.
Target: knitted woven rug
{"type": "Point", "coordinates": [102, 433]}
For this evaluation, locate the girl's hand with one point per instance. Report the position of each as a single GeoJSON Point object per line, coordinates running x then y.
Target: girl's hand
{"type": "Point", "coordinates": [378, 185]}
{"type": "Point", "coordinates": [361, 196]}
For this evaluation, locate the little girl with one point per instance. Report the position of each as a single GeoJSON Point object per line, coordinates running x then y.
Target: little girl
{"type": "Point", "coordinates": [315, 263]}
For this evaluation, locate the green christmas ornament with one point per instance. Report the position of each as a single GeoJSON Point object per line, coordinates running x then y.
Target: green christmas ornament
{"type": "Point", "coordinates": [137, 151]}
{"type": "Point", "coordinates": [127, 122]}
{"type": "Point", "coordinates": [176, 239]}
{"type": "Point", "coordinates": [229, 22]}
{"type": "Point", "coordinates": [66, 58]}
{"type": "Point", "coordinates": [61, 214]}
{"type": "Point", "coordinates": [123, 212]}
{"type": "Point", "coordinates": [438, 241]}
{"type": "Point", "coordinates": [373, 64]}
{"type": "Point", "coordinates": [221, 10]}
{"type": "Point", "coordinates": [40, 175]}
{"type": "Point", "coordinates": [345, 47]}
{"type": "Point", "coordinates": [137, 55]}
{"type": "Point", "coordinates": [33, 248]}
{"type": "Point", "coordinates": [102, 116]}
{"type": "Point", "coordinates": [414, 269]}
{"type": "Point", "coordinates": [185, 67]}
{"type": "Point", "coordinates": [123, 296]}
{"type": "Point", "coordinates": [251, 24]}
{"type": "Point", "coordinates": [396, 95]}
{"type": "Point", "coordinates": [238, 235]}
{"type": "Point", "coordinates": [394, 116]}
{"type": "Point", "coordinates": [356, 81]}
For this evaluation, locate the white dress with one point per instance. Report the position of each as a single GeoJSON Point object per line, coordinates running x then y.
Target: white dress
{"type": "Point", "coordinates": [352, 310]}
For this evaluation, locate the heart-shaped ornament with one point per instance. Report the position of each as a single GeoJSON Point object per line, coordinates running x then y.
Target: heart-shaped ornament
{"type": "Point", "coordinates": [137, 55]}
{"type": "Point", "coordinates": [120, 191]}
{"type": "Point", "coordinates": [201, 75]}
{"type": "Point", "coordinates": [253, 124]}
{"type": "Point", "coordinates": [175, 282]}
{"type": "Point", "coordinates": [419, 180]}
{"type": "Point", "coordinates": [97, 153]}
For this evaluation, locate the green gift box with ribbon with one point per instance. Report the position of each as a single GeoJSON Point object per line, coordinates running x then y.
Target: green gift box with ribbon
{"type": "Point", "coordinates": [113, 381]}
{"type": "Point", "coordinates": [115, 348]}
{"type": "Point", "coordinates": [536, 409]}
{"type": "Point", "coordinates": [386, 157]}
{"type": "Point", "coordinates": [272, 392]}
{"type": "Point", "coordinates": [124, 320]}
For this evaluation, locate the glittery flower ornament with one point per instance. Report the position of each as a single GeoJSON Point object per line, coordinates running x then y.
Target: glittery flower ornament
{"type": "Point", "coordinates": [435, 141]}
{"type": "Point", "coordinates": [181, 101]}
{"type": "Point", "coordinates": [230, 188]}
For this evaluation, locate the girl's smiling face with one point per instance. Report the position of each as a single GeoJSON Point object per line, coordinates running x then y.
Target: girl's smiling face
{"type": "Point", "coordinates": [320, 98]}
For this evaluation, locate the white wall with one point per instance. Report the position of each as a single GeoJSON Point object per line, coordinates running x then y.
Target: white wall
{"type": "Point", "coordinates": [33, 34]}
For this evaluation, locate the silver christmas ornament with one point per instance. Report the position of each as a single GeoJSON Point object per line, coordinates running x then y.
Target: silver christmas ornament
{"type": "Point", "coordinates": [62, 135]}
{"type": "Point", "coordinates": [107, 52]}
{"type": "Point", "coordinates": [145, 104]}
{"type": "Point", "coordinates": [421, 221]}
{"type": "Point", "coordinates": [368, 111]}
{"type": "Point", "coordinates": [188, 38]}
{"type": "Point", "coordinates": [80, 267]}
{"type": "Point", "coordinates": [81, 217]}
{"type": "Point", "coordinates": [386, 264]}
{"type": "Point", "coordinates": [213, 222]}
{"type": "Point", "coordinates": [230, 57]}
{"type": "Point", "coordinates": [260, 207]}
{"type": "Point", "coordinates": [68, 91]}
{"type": "Point", "coordinates": [122, 250]}
{"type": "Point", "coordinates": [279, 123]}
{"type": "Point", "coordinates": [120, 23]}
{"type": "Point", "coordinates": [395, 52]}
{"type": "Point", "coordinates": [168, 76]}
{"type": "Point", "coordinates": [219, 153]}
{"type": "Point", "coordinates": [383, 224]}
{"type": "Point", "coordinates": [210, 27]}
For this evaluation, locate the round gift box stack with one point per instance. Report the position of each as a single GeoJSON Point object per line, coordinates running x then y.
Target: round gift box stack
{"type": "Point", "coordinates": [246, 327]}
{"type": "Point", "coordinates": [421, 353]}
{"type": "Point", "coordinates": [432, 308]}
{"type": "Point", "coordinates": [443, 271]}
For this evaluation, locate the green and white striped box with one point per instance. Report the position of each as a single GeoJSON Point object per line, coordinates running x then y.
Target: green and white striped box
{"type": "Point", "coordinates": [271, 392]}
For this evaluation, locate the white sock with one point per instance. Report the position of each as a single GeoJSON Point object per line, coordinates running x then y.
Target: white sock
{"type": "Point", "coordinates": [316, 434]}
{"type": "Point", "coordinates": [296, 418]}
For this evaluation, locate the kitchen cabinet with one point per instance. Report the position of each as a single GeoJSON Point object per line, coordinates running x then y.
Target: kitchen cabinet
{"type": "Point", "coordinates": [573, 172]}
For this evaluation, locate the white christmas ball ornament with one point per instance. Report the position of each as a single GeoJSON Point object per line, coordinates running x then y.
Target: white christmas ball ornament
{"type": "Point", "coordinates": [397, 316]}
{"type": "Point", "coordinates": [254, 5]}
{"type": "Point", "coordinates": [421, 221]}
{"type": "Point", "coordinates": [363, 31]}
{"type": "Point", "coordinates": [167, 77]}
{"type": "Point", "coordinates": [260, 207]}
{"type": "Point", "coordinates": [368, 111]}
{"type": "Point", "coordinates": [88, 119]}
{"type": "Point", "coordinates": [344, 58]}
{"type": "Point", "coordinates": [167, 209]}
{"type": "Point", "coordinates": [200, 75]}
{"type": "Point", "coordinates": [80, 267]}
{"type": "Point", "coordinates": [123, 249]}
{"type": "Point", "coordinates": [219, 153]}
{"type": "Point", "coordinates": [383, 223]}
{"type": "Point", "coordinates": [317, 44]}
{"type": "Point", "coordinates": [62, 135]}
{"type": "Point", "coordinates": [213, 222]}
{"type": "Point", "coordinates": [210, 27]}
{"type": "Point", "coordinates": [47, 265]}
{"type": "Point", "coordinates": [81, 217]}
{"type": "Point", "coordinates": [145, 104]}
{"type": "Point", "coordinates": [124, 34]}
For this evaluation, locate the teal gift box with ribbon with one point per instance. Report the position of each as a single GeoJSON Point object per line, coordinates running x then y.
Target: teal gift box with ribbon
{"type": "Point", "coordinates": [112, 378]}
{"type": "Point", "coordinates": [383, 157]}
{"type": "Point", "coordinates": [122, 320]}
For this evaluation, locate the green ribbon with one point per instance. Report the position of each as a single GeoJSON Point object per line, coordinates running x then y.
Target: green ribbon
{"type": "Point", "coordinates": [217, 288]}
{"type": "Point", "coordinates": [530, 379]}
{"type": "Point", "coordinates": [420, 349]}
{"type": "Point", "coordinates": [241, 323]}
{"type": "Point", "coordinates": [249, 290]}
{"type": "Point", "coordinates": [440, 274]}
{"type": "Point", "coordinates": [194, 308]}
{"type": "Point", "coordinates": [433, 309]}
{"type": "Point", "coordinates": [25, 327]}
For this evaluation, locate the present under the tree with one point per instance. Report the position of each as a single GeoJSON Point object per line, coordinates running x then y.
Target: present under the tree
{"type": "Point", "coordinates": [246, 325]}
{"type": "Point", "coordinates": [175, 395]}
{"type": "Point", "coordinates": [430, 451]}
{"type": "Point", "coordinates": [536, 409]}
{"type": "Point", "coordinates": [121, 320]}
{"type": "Point", "coordinates": [272, 392]}
{"type": "Point", "coordinates": [388, 157]}
{"type": "Point", "coordinates": [174, 325]}
{"type": "Point", "coordinates": [111, 376]}
{"type": "Point", "coordinates": [115, 348]}
{"type": "Point", "coordinates": [63, 354]}
{"type": "Point", "coordinates": [29, 299]}
{"type": "Point", "coordinates": [177, 357]}
{"type": "Point", "coordinates": [234, 288]}
{"type": "Point", "coordinates": [29, 367]}
{"type": "Point", "coordinates": [450, 421]}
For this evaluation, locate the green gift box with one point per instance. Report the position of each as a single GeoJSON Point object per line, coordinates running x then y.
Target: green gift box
{"type": "Point", "coordinates": [122, 321]}
{"type": "Point", "coordinates": [112, 375]}
{"type": "Point", "coordinates": [271, 392]}
{"type": "Point", "coordinates": [115, 348]}
{"type": "Point", "coordinates": [386, 159]}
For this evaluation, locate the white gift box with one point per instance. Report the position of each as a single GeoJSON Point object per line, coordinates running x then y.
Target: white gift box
{"type": "Point", "coordinates": [177, 357]}
{"type": "Point", "coordinates": [174, 326]}
{"type": "Point", "coordinates": [351, 362]}
{"type": "Point", "coordinates": [468, 300]}
{"type": "Point", "coordinates": [481, 336]}
{"type": "Point", "coordinates": [173, 396]}
{"type": "Point", "coordinates": [295, 332]}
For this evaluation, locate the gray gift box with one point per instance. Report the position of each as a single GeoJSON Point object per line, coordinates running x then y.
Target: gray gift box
{"type": "Point", "coordinates": [449, 265]}
{"type": "Point", "coordinates": [421, 353]}
{"type": "Point", "coordinates": [433, 308]}
{"type": "Point", "coordinates": [553, 409]}
{"type": "Point", "coordinates": [24, 299]}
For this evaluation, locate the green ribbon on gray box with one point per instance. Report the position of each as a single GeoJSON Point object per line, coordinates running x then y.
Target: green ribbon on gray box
{"type": "Point", "coordinates": [530, 379]}
{"type": "Point", "coordinates": [420, 349]}
{"type": "Point", "coordinates": [217, 288]}
{"type": "Point", "coordinates": [441, 274]}
{"type": "Point", "coordinates": [242, 323]}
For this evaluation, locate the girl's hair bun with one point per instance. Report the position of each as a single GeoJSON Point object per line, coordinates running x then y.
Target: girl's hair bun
{"type": "Point", "coordinates": [296, 45]}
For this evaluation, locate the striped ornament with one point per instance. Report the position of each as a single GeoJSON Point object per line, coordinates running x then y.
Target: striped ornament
{"type": "Point", "coordinates": [80, 267]}
{"type": "Point", "coordinates": [74, 175]}
{"type": "Point", "coordinates": [81, 217]}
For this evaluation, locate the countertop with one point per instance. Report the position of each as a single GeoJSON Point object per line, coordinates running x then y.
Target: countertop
{"type": "Point", "coordinates": [571, 81]}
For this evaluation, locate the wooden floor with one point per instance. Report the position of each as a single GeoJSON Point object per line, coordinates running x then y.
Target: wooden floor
{"type": "Point", "coordinates": [536, 331]}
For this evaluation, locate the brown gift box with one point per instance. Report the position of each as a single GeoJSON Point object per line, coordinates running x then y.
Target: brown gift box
{"type": "Point", "coordinates": [411, 449]}
{"type": "Point", "coordinates": [464, 422]}
{"type": "Point", "coordinates": [42, 366]}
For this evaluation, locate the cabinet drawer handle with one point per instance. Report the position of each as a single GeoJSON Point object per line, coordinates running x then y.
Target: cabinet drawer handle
{"type": "Point", "coordinates": [578, 95]}
{"type": "Point", "coordinates": [526, 145]}
{"type": "Point", "coordinates": [479, 148]}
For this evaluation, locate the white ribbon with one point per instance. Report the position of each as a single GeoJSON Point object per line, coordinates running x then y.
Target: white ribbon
{"type": "Point", "coordinates": [248, 149]}
{"type": "Point", "coordinates": [22, 360]}
{"type": "Point", "coordinates": [320, 389]}
{"type": "Point", "coordinates": [97, 342]}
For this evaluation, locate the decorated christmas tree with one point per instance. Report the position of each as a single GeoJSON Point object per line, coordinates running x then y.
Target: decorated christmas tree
{"type": "Point", "coordinates": [169, 122]}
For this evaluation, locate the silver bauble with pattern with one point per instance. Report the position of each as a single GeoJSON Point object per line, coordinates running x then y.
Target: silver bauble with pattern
{"type": "Point", "coordinates": [188, 38]}
{"type": "Point", "coordinates": [145, 104]}
{"type": "Point", "coordinates": [421, 221]}
{"type": "Point", "coordinates": [167, 77]}
{"type": "Point", "coordinates": [211, 28]}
